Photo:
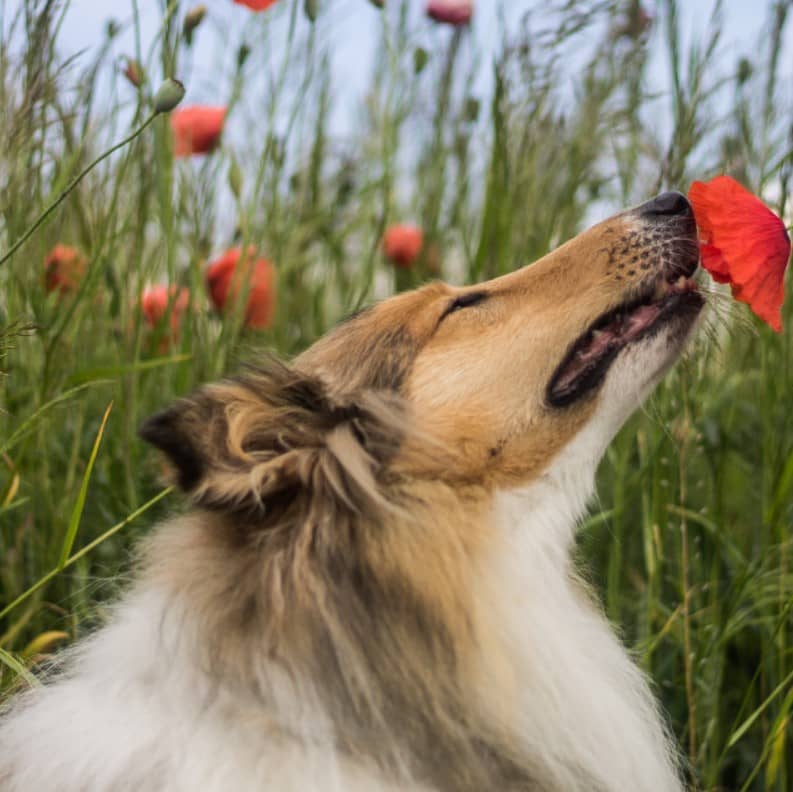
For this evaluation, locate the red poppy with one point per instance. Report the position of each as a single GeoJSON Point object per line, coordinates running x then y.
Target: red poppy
{"type": "Point", "coordinates": [402, 244]}
{"type": "Point", "coordinates": [743, 243]}
{"type": "Point", "coordinates": [196, 129]}
{"type": "Point", "coordinates": [256, 5]}
{"type": "Point", "coordinates": [227, 278]}
{"type": "Point", "coordinates": [156, 301]}
{"type": "Point", "coordinates": [64, 268]}
{"type": "Point", "coordinates": [452, 12]}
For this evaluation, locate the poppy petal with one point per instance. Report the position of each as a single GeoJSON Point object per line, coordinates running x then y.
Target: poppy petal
{"type": "Point", "coordinates": [196, 129]}
{"type": "Point", "coordinates": [743, 243]}
{"type": "Point", "coordinates": [256, 5]}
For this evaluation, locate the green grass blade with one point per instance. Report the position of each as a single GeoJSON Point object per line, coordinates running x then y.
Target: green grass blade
{"type": "Point", "coordinates": [113, 372]}
{"type": "Point", "coordinates": [746, 725]}
{"type": "Point", "coordinates": [11, 662]}
{"type": "Point", "coordinates": [77, 512]}
{"type": "Point", "coordinates": [85, 550]}
{"type": "Point", "coordinates": [30, 422]}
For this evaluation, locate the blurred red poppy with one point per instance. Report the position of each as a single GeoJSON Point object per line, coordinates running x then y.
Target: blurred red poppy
{"type": "Point", "coordinates": [64, 268]}
{"type": "Point", "coordinates": [233, 274]}
{"type": "Point", "coordinates": [196, 129]}
{"type": "Point", "coordinates": [402, 244]}
{"type": "Point", "coordinates": [256, 5]}
{"type": "Point", "coordinates": [743, 243]}
{"type": "Point", "coordinates": [452, 12]}
{"type": "Point", "coordinates": [155, 302]}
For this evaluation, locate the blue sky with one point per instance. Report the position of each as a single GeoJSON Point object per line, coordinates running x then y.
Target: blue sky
{"type": "Point", "coordinates": [354, 26]}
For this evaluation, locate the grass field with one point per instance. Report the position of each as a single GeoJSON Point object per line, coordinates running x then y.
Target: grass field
{"type": "Point", "coordinates": [690, 541]}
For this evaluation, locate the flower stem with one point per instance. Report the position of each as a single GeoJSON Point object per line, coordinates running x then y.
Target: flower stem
{"type": "Point", "coordinates": [70, 186]}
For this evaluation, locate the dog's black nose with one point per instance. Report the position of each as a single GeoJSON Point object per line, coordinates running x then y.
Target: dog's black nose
{"type": "Point", "coordinates": [667, 204]}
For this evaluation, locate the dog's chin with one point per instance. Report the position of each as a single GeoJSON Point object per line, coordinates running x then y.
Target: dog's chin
{"type": "Point", "coordinates": [640, 366]}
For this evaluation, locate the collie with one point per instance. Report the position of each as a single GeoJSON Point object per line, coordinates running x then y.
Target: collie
{"type": "Point", "coordinates": [374, 591]}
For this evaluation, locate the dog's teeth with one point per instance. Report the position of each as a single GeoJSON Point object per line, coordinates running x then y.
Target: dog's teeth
{"type": "Point", "coordinates": [661, 288]}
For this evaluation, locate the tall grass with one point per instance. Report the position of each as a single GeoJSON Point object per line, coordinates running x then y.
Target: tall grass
{"type": "Point", "coordinates": [690, 540]}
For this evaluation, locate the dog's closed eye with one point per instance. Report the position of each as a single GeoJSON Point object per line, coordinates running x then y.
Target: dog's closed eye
{"type": "Point", "coordinates": [463, 301]}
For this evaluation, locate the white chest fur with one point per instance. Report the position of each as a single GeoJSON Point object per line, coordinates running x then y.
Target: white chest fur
{"type": "Point", "coordinates": [585, 706]}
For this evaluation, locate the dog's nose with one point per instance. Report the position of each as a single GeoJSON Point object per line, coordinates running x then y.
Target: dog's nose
{"type": "Point", "coordinates": [667, 204]}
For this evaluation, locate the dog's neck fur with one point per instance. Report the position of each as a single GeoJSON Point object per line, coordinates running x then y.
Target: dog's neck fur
{"type": "Point", "coordinates": [585, 706]}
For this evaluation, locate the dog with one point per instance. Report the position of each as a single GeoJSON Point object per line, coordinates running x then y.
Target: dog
{"type": "Point", "coordinates": [373, 590]}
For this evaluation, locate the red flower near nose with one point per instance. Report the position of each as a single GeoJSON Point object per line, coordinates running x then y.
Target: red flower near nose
{"type": "Point", "coordinates": [256, 5]}
{"type": "Point", "coordinates": [196, 129]}
{"type": "Point", "coordinates": [64, 268]}
{"type": "Point", "coordinates": [402, 244]}
{"type": "Point", "coordinates": [743, 243]}
{"type": "Point", "coordinates": [232, 274]}
{"type": "Point", "coordinates": [452, 12]}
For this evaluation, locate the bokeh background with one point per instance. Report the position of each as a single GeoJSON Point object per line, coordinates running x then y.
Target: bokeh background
{"type": "Point", "coordinates": [494, 141]}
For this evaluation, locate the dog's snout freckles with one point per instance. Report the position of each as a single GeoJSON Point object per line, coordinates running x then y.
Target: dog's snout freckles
{"type": "Point", "coordinates": [658, 237]}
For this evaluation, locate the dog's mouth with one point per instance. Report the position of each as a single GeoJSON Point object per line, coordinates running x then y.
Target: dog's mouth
{"type": "Point", "coordinates": [670, 297]}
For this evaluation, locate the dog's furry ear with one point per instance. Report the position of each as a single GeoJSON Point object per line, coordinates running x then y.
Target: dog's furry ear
{"type": "Point", "coordinates": [265, 441]}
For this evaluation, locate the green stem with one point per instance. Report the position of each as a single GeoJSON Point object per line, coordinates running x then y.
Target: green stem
{"type": "Point", "coordinates": [85, 550]}
{"type": "Point", "coordinates": [72, 184]}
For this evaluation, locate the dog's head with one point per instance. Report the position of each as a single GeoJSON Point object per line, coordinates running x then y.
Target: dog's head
{"type": "Point", "coordinates": [500, 376]}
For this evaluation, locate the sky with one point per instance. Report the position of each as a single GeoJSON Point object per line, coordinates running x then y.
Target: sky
{"type": "Point", "coordinates": [355, 24]}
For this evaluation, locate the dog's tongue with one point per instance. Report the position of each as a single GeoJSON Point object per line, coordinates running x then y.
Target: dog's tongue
{"type": "Point", "coordinates": [615, 334]}
{"type": "Point", "coordinates": [619, 330]}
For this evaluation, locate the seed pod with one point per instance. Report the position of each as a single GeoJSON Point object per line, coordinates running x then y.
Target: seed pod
{"type": "Point", "coordinates": [168, 95]}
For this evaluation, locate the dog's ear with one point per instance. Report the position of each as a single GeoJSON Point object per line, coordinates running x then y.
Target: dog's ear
{"type": "Point", "coordinates": [275, 439]}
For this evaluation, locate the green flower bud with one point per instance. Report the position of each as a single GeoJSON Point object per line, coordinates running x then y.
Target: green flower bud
{"type": "Point", "coordinates": [235, 178]}
{"type": "Point", "coordinates": [420, 58]}
{"type": "Point", "coordinates": [242, 54]}
{"type": "Point", "coordinates": [168, 95]}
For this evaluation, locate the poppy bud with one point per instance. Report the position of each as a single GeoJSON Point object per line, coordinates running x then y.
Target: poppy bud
{"type": "Point", "coordinates": [242, 54]}
{"type": "Point", "coordinates": [420, 58]}
{"type": "Point", "coordinates": [235, 178]}
{"type": "Point", "coordinates": [192, 19]}
{"type": "Point", "coordinates": [168, 95]}
{"type": "Point", "coordinates": [133, 71]}
{"type": "Point", "coordinates": [471, 109]}
{"type": "Point", "coordinates": [745, 70]}
{"type": "Point", "coordinates": [311, 9]}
